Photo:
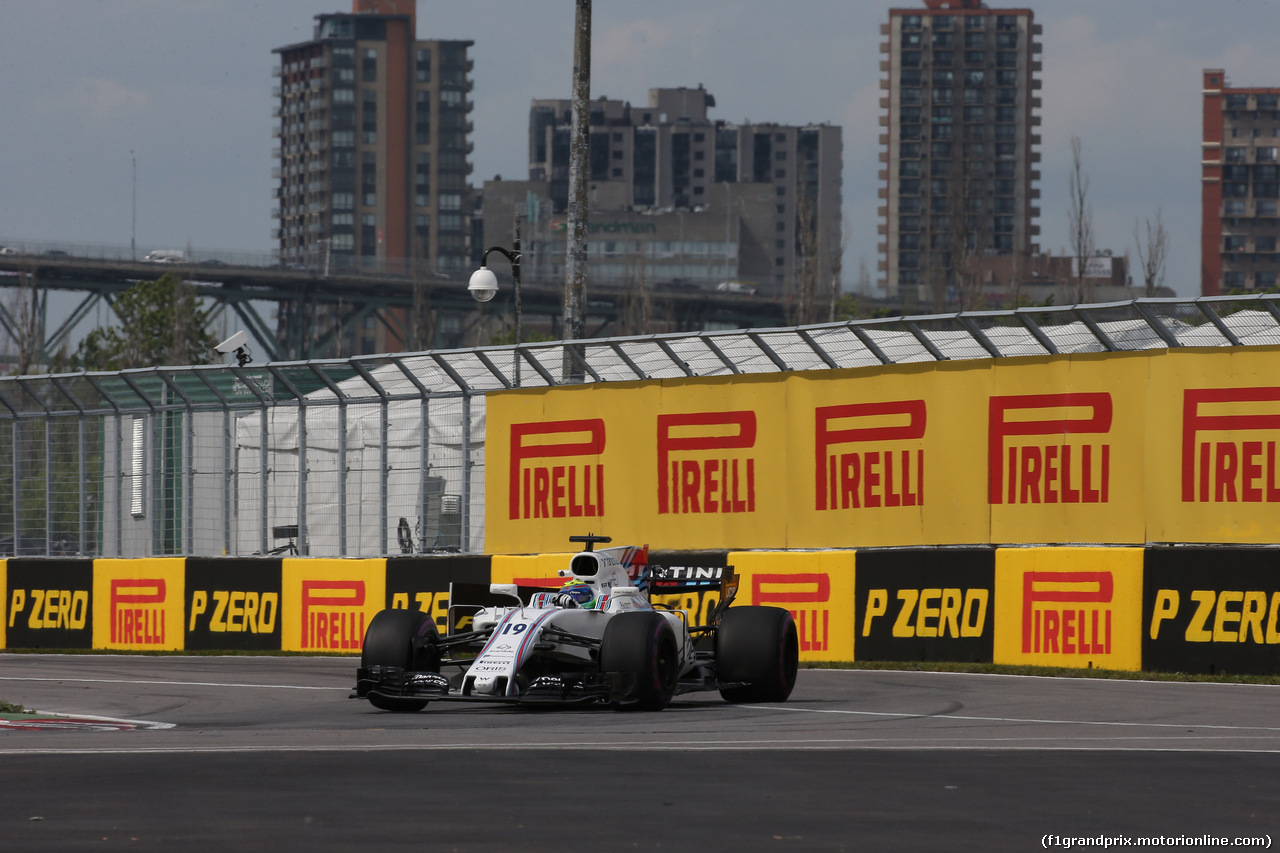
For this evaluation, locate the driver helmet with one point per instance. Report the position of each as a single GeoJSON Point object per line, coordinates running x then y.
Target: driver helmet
{"type": "Point", "coordinates": [582, 593]}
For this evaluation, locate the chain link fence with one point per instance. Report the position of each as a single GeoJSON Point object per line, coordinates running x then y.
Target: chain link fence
{"type": "Point", "coordinates": [380, 455]}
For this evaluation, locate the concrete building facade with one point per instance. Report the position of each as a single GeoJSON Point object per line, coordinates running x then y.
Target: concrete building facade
{"type": "Point", "coordinates": [1240, 187]}
{"type": "Point", "coordinates": [372, 144]}
{"type": "Point", "coordinates": [959, 174]}
{"type": "Point", "coordinates": [680, 198]}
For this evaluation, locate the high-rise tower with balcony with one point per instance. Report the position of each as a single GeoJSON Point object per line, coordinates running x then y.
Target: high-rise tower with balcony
{"type": "Point", "coordinates": [372, 144]}
{"type": "Point", "coordinates": [959, 149]}
{"type": "Point", "coordinates": [1239, 187]}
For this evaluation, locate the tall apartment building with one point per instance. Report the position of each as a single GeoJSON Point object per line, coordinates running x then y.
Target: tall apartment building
{"type": "Point", "coordinates": [699, 199]}
{"type": "Point", "coordinates": [1239, 187]}
{"type": "Point", "coordinates": [373, 144]}
{"type": "Point", "coordinates": [960, 148]}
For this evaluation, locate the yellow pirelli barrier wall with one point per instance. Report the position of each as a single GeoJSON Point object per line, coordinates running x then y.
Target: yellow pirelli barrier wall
{"type": "Point", "coordinates": [1199, 609]}
{"type": "Point", "coordinates": [1109, 448]}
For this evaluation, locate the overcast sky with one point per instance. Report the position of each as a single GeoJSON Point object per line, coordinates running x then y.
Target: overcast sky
{"type": "Point", "coordinates": [186, 85]}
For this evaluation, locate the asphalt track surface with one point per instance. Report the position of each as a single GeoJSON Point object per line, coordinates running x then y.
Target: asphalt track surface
{"type": "Point", "coordinates": [267, 753]}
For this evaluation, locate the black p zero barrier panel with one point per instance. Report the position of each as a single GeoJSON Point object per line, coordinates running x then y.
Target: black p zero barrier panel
{"type": "Point", "coordinates": [924, 604]}
{"type": "Point", "coordinates": [1195, 609]}
{"type": "Point", "coordinates": [48, 604]}
{"type": "Point", "coordinates": [422, 583]}
{"type": "Point", "coordinates": [1211, 610]}
{"type": "Point", "coordinates": [232, 604]}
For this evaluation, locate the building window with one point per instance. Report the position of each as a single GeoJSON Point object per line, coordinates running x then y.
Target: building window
{"type": "Point", "coordinates": [1007, 59]}
{"type": "Point", "coordinates": [940, 168]}
{"type": "Point", "coordinates": [1264, 208]}
{"type": "Point", "coordinates": [909, 168]}
{"type": "Point", "coordinates": [943, 40]}
{"type": "Point", "coordinates": [908, 223]}
{"type": "Point", "coordinates": [975, 78]}
{"type": "Point", "coordinates": [1007, 40]}
{"type": "Point", "coordinates": [1233, 243]}
{"type": "Point", "coordinates": [909, 96]}
{"type": "Point", "coordinates": [1233, 155]}
{"type": "Point", "coordinates": [943, 57]}
{"type": "Point", "coordinates": [422, 66]}
{"type": "Point", "coordinates": [1264, 155]}
{"type": "Point", "coordinates": [1233, 280]}
{"type": "Point", "coordinates": [974, 150]}
{"type": "Point", "coordinates": [941, 96]}
{"type": "Point", "coordinates": [940, 115]}
{"type": "Point", "coordinates": [908, 149]}
{"type": "Point", "coordinates": [369, 65]}
{"type": "Point", "coordinates": [943, 77]}
{"type": "Point", "coordinates": [974, 41]}
{"type": "Point", "coordinates": [1006, 150]}
{"type": "Point", "coordinates": [942, 131]}
{"type": "Point", "coordinates": [912, 39]}
{"type": "Point", "coordinates": [911, 58]}
{"type": "Point", "coordinates": [974, 57]}
{"type": "Point", "coordinates": [911, 77]}
{"type": "Point", "coordinates": [909, 115]}
{"type": "Point", "coordinates": [941, 149]}
{"type": "Point", "coordinates": [974, 114]}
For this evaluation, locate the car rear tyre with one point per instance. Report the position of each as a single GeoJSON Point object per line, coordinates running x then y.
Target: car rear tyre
{"type": "Point", "coordinates": [758, 653]}
{"type": "Point", "coordinates": [405, 639]}
{"type": "Point", "coordinates": [642, 646]}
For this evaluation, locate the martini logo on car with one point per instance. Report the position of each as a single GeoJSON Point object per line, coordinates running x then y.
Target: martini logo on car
{"type": "Point", "coordinates": [333, 615]}
{"type": "Point", "coordinates": [1067, 613]}
{"type": "Point", "coordinates": [861, 455]}
{"type": "Point", "coordinates": [573, 488]}
{"type": "Point", "coordinates": [697, 470]}
{"type": "Point", "coordinates": [806, 595]}
{"type": "Point", "coordinates": [1229, 445]}
{"type": "Point", "coordinates": [137, 611]}
{"type": "Point", "coordinates": [1055, 468]}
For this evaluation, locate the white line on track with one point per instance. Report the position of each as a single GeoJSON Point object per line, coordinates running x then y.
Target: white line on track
{"type": "Point", "coordinates": [995, 745]}
{"type": "Point", "coordinates": [794, 709]}
{"type": "Point", "coordinates": [170, 683]}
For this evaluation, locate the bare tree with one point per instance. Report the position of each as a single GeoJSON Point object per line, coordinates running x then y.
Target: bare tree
{"type": "Point", "coordinates": [807, 244]}
{"type": "Point", "coordinates": [837, 265]}
{"type": "Point", "coordinates": [1080, 219]}
{"type": "Point", "coordinates": [1153, 250]}
{"type": "Point", "coordinates": [24, 327]}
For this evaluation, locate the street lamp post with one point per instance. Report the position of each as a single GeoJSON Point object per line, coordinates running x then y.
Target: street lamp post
{"type": "Point", "coordinates": [483, 285]}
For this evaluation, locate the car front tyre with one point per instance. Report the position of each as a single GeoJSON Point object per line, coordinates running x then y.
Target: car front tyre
{"type": "Point", "coordinates": [405, 639]}
{"type": "Point", "coordinates": [642, 646]}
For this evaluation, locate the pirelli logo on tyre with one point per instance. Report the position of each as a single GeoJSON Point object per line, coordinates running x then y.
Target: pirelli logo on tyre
{"type": "Point", "coordinates": [925, 604]}
{"type": "Point", "coordinates": [1212, 610]}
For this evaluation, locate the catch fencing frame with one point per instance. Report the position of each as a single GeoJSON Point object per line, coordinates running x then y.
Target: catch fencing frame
{"type": "Point", "coordinates": [206, 467]}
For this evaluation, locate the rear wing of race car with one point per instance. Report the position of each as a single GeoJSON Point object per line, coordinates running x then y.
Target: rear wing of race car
{"type": "Point", "coordinates": [667, 580]}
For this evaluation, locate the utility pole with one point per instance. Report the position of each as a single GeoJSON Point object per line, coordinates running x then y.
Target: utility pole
{"type": "Point", "coordinates": [575, 285]}
{"type": "Point", "coordinates": [133, 232]}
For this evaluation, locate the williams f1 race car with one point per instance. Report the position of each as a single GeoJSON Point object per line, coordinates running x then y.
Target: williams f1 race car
{"type": "Point", "coordinates": [599, 639]}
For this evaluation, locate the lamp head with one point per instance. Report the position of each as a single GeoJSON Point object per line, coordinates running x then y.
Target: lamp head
{"type": "Point", "coordinates": [483, 285]}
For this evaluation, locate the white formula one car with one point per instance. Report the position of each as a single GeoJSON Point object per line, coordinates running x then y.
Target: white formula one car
{"type": "Point", "coordinates": [597, 640]}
